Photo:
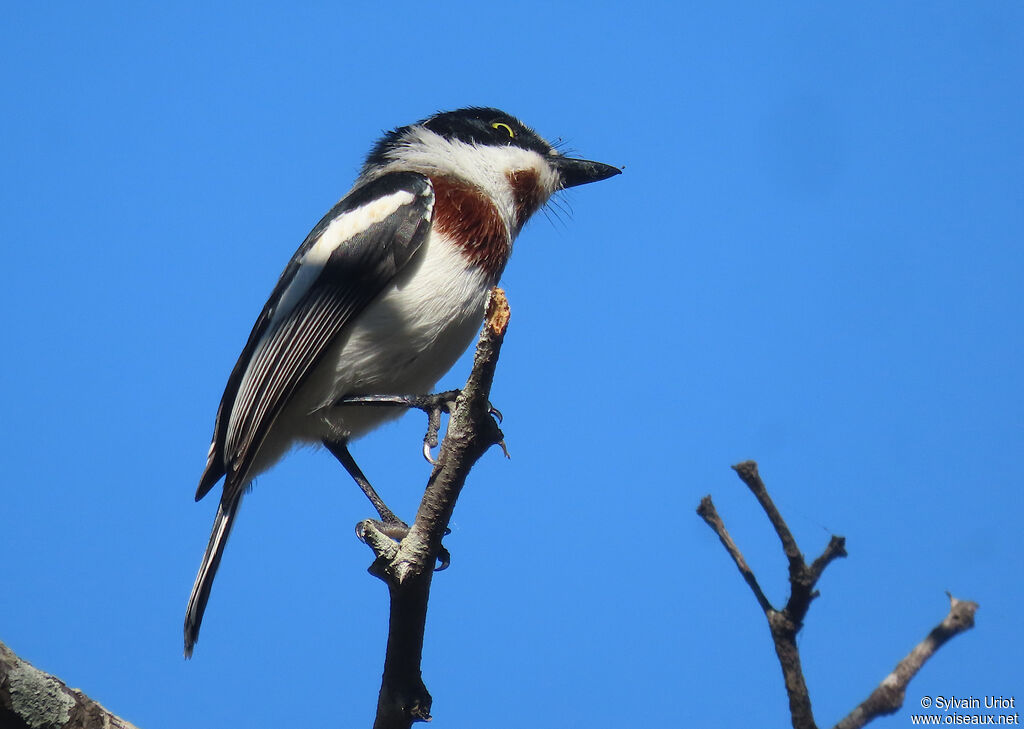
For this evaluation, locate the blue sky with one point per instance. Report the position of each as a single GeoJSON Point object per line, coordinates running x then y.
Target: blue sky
{"type": "Point", "coordinates": [813, 259]}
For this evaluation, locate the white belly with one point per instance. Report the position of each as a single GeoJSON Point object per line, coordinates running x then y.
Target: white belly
{"type": "Point", "coordinates": [403, 343]}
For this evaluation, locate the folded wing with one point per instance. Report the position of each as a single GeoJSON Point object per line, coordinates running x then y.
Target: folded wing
{"type": "Point", "coordinates": [347, 260]}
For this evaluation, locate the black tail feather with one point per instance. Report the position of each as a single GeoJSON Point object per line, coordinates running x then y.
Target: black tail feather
{"type": "Point", "coordinates": [207, 571]}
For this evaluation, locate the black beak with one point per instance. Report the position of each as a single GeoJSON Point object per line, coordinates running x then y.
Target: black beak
{"type": "Point", "coordinates": [575, 172]}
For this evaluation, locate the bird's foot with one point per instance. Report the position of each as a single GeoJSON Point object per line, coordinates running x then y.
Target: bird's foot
{"type": "Point", "coordinates": [394, 528]}
{"type": "Point", "coordinates": [383, 537]}
{"type": "Point", "coordinates": [433, 405]}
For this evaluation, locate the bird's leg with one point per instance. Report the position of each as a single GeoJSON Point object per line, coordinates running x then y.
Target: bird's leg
{"type": "Point", "coordinates": [433, 405]}
{"type": "Point", "coordinates": [389, 523]}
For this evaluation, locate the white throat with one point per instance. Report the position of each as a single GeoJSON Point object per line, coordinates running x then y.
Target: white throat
{"type": "Point", "coordinates": [485, 167]}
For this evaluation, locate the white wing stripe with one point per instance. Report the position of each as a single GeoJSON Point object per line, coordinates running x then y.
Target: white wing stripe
{"type": "Point", "coordinates": [353, 223]}
{"type": "Point", "coordinates": [340, 230]}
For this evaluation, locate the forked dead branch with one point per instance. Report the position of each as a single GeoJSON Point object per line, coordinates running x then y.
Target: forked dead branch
{"type": "Point", "coordinates": [784, 624]}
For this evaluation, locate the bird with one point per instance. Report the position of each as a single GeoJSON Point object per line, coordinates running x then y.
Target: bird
{"type": "Point", "coordinates": [382, 297]}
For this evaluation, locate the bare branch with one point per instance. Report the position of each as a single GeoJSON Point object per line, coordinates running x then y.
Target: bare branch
{"type": "Point", "coordinates": [888, 697]}
{"type": "Point", "coordinates": [408, 570]}
{"type": "Point", "coordinates": [748, 473]}
{"type": "Point", "coordinates": [30, 698]}
{"type": "Point", "coordinates": [709, 514]}
{"type": "Point", "coordinates": [836, 548]}
{"type": "Point", "coordinates": [784, 632]}
{"type": "Point", "coordinates": [785, 624]}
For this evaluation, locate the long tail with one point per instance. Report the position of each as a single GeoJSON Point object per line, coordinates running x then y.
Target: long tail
{"type": "Point", "coordinates": [207, 571]}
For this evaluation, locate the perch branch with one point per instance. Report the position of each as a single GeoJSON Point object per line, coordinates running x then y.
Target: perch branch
{"type": "Point", "coordinates": [407, 568]}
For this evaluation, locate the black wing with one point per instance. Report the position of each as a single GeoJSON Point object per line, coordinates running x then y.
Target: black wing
{"type": "Point", "coordinates": [346, 261]}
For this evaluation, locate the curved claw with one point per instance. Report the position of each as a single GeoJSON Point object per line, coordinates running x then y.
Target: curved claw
{"type": "Point", "coordinates": [426, 454]}
{"type": "Point", "coordinates": [495, 413]}
{"type": "Point", "coordinates": [445, 558]}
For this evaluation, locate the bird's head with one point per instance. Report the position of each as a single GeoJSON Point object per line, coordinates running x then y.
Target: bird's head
{"type": "Point", "coordinates": [489, 150]}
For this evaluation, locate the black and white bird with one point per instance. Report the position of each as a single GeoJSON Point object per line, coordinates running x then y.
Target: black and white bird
{"type": "Point", "coordinates": [382, 297]}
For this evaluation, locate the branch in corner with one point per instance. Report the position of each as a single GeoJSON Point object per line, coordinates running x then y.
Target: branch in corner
{"type": "Point", "coordinates": [30, 698]}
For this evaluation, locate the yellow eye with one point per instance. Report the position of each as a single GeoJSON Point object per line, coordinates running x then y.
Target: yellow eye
{"type": "Point", "coordinates": [506, 127]}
